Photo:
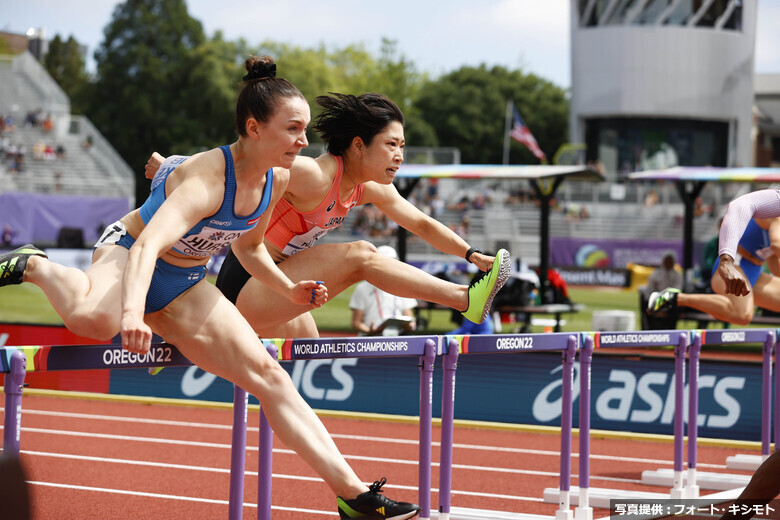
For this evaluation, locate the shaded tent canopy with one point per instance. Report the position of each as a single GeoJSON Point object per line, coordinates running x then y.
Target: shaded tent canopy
{"type": "Point", "coordinates": [710, 174]}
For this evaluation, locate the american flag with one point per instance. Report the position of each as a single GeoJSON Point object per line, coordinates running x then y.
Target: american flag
{"type": "Point", "coordinates": [522, 134]}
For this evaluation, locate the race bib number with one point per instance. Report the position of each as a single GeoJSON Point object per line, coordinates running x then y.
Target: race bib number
{"type": "Point", "coordinates": [304, 241]}
{"type": "Point", "coordinates": [208, 241]}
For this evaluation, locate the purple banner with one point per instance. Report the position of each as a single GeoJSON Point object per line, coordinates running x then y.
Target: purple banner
{"type": "Point", "coordinates": [598, 253]}
{"type": "Point", "coordinates": [38, 217]}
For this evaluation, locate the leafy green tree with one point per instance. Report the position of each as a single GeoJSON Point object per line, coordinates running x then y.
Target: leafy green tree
{"type": "Point", "coordinates": [160, 84]}
{"type": "Point", "coordinates": [65, 64]}
{"type": "Point", "coordinates": [467, 109]}
{"type": "Point", "coordinates": [353, 70]}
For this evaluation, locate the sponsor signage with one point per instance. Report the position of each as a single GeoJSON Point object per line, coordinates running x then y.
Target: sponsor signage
{"type": "Point", "coordinates": [603, 276]}
{"type": "Point", "coordinates": [515, 380]}
{"type": "Point", "coordinates": [628, 394]}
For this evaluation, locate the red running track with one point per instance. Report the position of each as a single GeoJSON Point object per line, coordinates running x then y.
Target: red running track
{"type": "Point", "coordinates": [103, 459]}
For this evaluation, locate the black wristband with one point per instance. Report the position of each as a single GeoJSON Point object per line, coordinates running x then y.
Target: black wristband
{"type": "Point", "coordinates": [470, 252]}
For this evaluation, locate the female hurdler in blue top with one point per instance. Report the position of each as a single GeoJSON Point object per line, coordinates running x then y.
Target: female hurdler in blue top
{"type": "Point", "coordinates": [759, 245]}
{"type": "Point", "coordinates": [147, 273]}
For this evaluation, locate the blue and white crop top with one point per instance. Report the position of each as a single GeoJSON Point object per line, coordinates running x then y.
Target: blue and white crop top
{"type": "Point", "coordinates": [755, 240]}
{"type": "Point", "coordinates": [212, 233]}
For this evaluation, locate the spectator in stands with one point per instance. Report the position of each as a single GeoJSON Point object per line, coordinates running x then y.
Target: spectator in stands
{"type": "Point", "coordinates": [39, 150]}
{"type": "Point", "coordinates": [437, 205]}
{"type": "Point", "coordinates": [31, 119]}
{"type": "Point", "coordinates": [463, 227]}
{"type": "Point", "coordinates": [47, 125]}
{"type": "Point", "coordinates": [759, 245]}
{"type": "Point", "coordinates": [372, 307]}
{"type": "Point", "coordinates": [9, 124]}
{"type": "Point", "coordinates": [651, 199]}
{"type": "Point", "coordinates": [666, 275]}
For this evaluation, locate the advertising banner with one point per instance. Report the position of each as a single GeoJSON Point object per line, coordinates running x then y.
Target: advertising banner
{"type": "Point", "coordinates": [627, 393]}
{"type": "Point", "coordinates": [600, 254]}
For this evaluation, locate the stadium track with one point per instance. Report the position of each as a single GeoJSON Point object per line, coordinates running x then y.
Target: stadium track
{"type": "Point", "coordinates": [91, 456]}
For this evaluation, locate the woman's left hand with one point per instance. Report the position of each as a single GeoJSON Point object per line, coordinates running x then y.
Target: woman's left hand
{"type": "Point", "coordinates": [309, 292]}
{"type": "Point", "coordinates": [482, 261]}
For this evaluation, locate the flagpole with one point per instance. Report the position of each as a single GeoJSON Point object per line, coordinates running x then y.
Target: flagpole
{"type": "Point", "coordinates": [507, 127]}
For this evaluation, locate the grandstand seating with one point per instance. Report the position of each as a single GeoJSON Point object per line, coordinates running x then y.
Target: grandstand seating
{"type": "Point", "coordinates": [97, 171]}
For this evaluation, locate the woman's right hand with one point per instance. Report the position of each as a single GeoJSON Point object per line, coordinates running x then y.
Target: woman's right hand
{"type": "Point", "coordinates": [136, 334]}
{"type": "Point", "coordinates": [309, 292]}
{"type": "Point", "coordinates": [736, 283]}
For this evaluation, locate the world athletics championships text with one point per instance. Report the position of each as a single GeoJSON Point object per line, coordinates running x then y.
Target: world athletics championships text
{"type": "Point", "coordinates": [350, 347]}
{"type": "Point", "coordinates": [635, 338]}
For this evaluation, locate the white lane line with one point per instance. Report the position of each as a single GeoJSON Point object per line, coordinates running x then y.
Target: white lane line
{"type": "Point", "coordinates": [172, 497]}
{"type": "Point", "coordinates": [368, 438]}
{"type": "Point", "coordinates": [383, 460]}
{"type": "Point", "coordinates": [189, 467]}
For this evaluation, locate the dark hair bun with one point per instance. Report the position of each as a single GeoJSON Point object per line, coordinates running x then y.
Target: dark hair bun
{"type": "Point", "coordinates": [259, 68]}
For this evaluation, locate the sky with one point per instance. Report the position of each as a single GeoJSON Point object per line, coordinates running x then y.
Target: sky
{"type": "Point", "coordinates": [437, 36]}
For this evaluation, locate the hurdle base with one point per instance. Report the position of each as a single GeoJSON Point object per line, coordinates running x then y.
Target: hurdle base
{"type": "Point", "coordinates": [744, 462]}
{"type": "Point", "coordinates": [704, 480]}
{"type": "Point", "coordinates": [583, 513]}
{"type": "Point", "coordinates": [463, 513]}
{"type": "Point", "coordinates": [600, 497]}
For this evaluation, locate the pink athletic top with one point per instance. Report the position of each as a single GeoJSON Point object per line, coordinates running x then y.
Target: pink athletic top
{"type": "Point", "coordinates": [292, 231]}
{"type": "Point", "coordinates": [757, 204]}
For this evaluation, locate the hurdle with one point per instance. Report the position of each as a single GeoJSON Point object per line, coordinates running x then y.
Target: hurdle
{"type": "Point", "coordinates": [455, 346]}
{"type": "Point", "coordinates": [583, 495]}
{"type": "Point", "coordinates": [729, 484]}
{"type": "Point", "coordinates": [15, 362]}
{"type": "Point", "coordinates": [751, 462]}
{"type": "Point", "coordinates": [354, 347]}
